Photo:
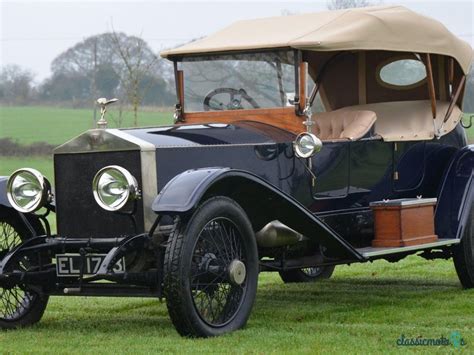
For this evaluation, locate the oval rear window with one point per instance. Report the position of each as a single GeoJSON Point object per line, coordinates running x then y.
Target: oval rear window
{"type": "Point", "coordinates": [403, 73]}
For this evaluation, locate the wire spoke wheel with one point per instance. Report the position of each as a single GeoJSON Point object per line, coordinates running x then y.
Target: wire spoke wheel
{"type": "Point", "coordinates": [463, 253]}
{"type": "Point", "coordinates": [18, 306]}
{"type": "Point", "coordinates": [312, 271]}
{"type": "Point", "coordinates": [9, 238]}
{"type": "Point", "coordinates": [216, 297]}
{"type": "Point", "coordinates": [211, 270]}
{"type": "Point", "coordinates": [14, 303]}
{"type": "Point", "coordinates": [307, 274]}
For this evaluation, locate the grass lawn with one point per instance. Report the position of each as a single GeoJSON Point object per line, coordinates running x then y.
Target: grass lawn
{"type": "Point", "coordinates": [362, 309]}
{"type": "Point", "coordinates": [57, 125]}
{"type": "Point", "coordinates": [42, 164]}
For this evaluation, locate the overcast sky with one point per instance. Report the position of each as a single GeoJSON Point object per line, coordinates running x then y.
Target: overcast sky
{"type": "Point", "coordinates": [33, 33]}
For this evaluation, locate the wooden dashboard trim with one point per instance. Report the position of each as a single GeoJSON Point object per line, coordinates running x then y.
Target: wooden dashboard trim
{"type": "Point", "coordinates": [284, 118]}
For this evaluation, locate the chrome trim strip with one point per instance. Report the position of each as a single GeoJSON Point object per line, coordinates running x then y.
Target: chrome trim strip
{"type": "Point", "coordinates": [149, 176]}
{"type": "Point", "coordinates": [220, 145]}
{"type": "Point", "coordinates": [405, 202]}
{"type": "Point", "coordinates": [144, 145]}
{"type": "Point", "coordinates": [96, 141]}
{"type": "Point", "coordinates": [371, 252]}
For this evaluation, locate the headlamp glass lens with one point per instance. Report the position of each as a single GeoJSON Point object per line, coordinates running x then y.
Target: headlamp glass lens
{"type": "Point", "coordinates": [306, 145]}
{"type": "Point", "coordinates": [113, 187]}
{"type": "Point", "coordinates": [26, 190]}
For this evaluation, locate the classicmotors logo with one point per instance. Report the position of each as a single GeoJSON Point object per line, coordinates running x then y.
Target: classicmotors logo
{"type": "Point", "coordinates": [454, 339]}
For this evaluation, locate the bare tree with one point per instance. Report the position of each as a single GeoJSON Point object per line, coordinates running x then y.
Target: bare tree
{"type": "Point", "coordinates": [94, 67]}
{"type": "Point", "coordinates": [118, 115]}
{"type": "Point", "coordinates": [87, 58]}
{"type": "Point", "coordinates": [348, 4]}
{"type": "Point", "coordinates": [16, 84]}
{"type": "Point", "coordinates": [138, 62]}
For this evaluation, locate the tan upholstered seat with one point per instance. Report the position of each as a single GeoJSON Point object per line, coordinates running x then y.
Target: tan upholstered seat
{"type": "Point", "coordinates": [340, 124]}
{"type": "Point", "coordinates": [409, 120]}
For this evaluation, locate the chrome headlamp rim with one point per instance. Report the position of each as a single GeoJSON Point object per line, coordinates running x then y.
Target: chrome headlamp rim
{"type": "Point", "coordinates": [317, 145]}
{"type": "Point", "coordinates": [132, 191]}
{"type": "Point", "coordinates": [42, 182]}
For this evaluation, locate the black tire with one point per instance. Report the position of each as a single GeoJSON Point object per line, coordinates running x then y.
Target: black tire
{"type": "Point", "coordinates": [202, 297]}
{"type": "Point", "coordinates": [307, 274]}
{"type": "Point", "coordinates": [463, 254]}
{"type": "Point", "coordinates": [18, 307]}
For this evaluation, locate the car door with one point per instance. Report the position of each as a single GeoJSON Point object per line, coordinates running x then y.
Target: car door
{"type": "Point", "coordinates": [350, 175]}
{"type": "Point", "coordinates": [330, 169]}
{"type": "Point", "coordinates": [408, 166]}
{"type": "Point", "coordinates": [370, 171]}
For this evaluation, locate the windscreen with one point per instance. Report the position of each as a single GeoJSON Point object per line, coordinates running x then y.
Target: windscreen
{"type": "Point", "coordinates": [239, 81]}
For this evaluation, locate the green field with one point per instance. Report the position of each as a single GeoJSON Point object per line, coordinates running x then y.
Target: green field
{"type": "Point", "coordinates": [43, 164]}
{"type": "Point", "coordinates": [362, 309]}
{"type": "Point", "coordinates": [470, 131]}
{"type": "Point", "coordinates": [57, 125]}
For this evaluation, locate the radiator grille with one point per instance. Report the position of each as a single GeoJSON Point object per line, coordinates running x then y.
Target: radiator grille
{"type": "Point", "coordinates": [78, 215]}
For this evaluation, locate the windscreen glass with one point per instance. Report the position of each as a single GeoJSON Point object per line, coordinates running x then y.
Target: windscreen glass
{"type": "Point", "coordinates": [239, 81]}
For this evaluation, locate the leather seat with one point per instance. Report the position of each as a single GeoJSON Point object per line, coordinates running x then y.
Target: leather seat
{"type": "Point", "coordinates": [409, 120]}
{"type": "Point", "coordinates": [343, 125]}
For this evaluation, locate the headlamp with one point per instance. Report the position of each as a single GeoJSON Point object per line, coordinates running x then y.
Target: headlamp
{"type": "Point", "coordinates": [113, 186]}
{"type": "Point", "coordinates": [306, 145]}
{"type": "Point", "coordinates": [28, 190]}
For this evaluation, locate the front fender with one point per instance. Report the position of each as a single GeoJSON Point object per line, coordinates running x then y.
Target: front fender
{"type": "Point", "coordinates": [261, 201]}
{"type": "Point", "coordinates": [456, 195]}
{"type": "Point", "coordinates": [3, 191]}
{"type": "Point", "coordinates": [184, 191]}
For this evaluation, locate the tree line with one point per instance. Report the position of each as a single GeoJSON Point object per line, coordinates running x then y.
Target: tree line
{"type": "Point", "coordinates": [104, 65]}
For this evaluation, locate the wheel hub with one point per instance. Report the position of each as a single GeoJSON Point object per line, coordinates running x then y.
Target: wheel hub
{"type": "Point", "coordinates": [237, 272]}
{"type": "Point", "coordinates": [206, 260]}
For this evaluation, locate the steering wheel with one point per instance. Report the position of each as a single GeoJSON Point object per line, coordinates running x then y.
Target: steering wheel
{"type": "Point", "coordinates": [235, 100]}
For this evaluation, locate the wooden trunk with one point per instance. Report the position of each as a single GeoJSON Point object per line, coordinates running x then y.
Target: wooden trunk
{"type": "Point", "coordinates": [403, 222]}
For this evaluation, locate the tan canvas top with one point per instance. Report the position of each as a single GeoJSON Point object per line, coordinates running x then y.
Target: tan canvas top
{"type": "Point", "coordinates": [391, 28]}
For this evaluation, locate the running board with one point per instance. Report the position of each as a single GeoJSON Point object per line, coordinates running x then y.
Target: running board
{"type": "Point", "coordinates": [371, 252]}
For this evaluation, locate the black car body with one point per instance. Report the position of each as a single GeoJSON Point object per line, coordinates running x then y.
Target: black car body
{"type": "Point", "coordinates": [194, 211]}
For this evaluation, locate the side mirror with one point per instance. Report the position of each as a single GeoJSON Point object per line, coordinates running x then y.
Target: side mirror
{"type": "Point", "coordinates": [306, 145]}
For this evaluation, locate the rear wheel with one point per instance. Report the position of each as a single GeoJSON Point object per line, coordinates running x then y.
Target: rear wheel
{"type": "Point", "coordinates": [463, 255]}
{"type": "Point", "coordinates": [211, 270]}
{"type": "Point", "coordinates": [309, 274]}
{"type": "Point", "coordinates": [19, 307]}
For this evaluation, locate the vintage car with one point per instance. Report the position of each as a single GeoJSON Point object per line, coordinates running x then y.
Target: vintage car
{"type": "Point", "coordinates": [300, 143]}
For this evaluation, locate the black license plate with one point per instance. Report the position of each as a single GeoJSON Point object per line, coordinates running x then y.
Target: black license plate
{"type": "Point", "coordinates": [70, 264]}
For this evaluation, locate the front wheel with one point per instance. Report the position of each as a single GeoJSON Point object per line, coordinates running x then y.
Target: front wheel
{"type": "Point", "coordinates": [211, 270]}
{"type": "Point", "coordinates": [309, 274]}
{"type": "Point", "coordinates": [19, 307]}
{"type": "Point", "coordinates": [463, 254]}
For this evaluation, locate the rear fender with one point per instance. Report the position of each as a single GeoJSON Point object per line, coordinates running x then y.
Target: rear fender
{"type": "Point", "coordinates": [456, 195]}
{"type": "Point", "coordinates": [261, 201]}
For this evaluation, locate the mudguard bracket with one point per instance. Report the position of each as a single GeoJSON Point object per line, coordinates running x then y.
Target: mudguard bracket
{"type": "Point", "coordinates": [135, 242]}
